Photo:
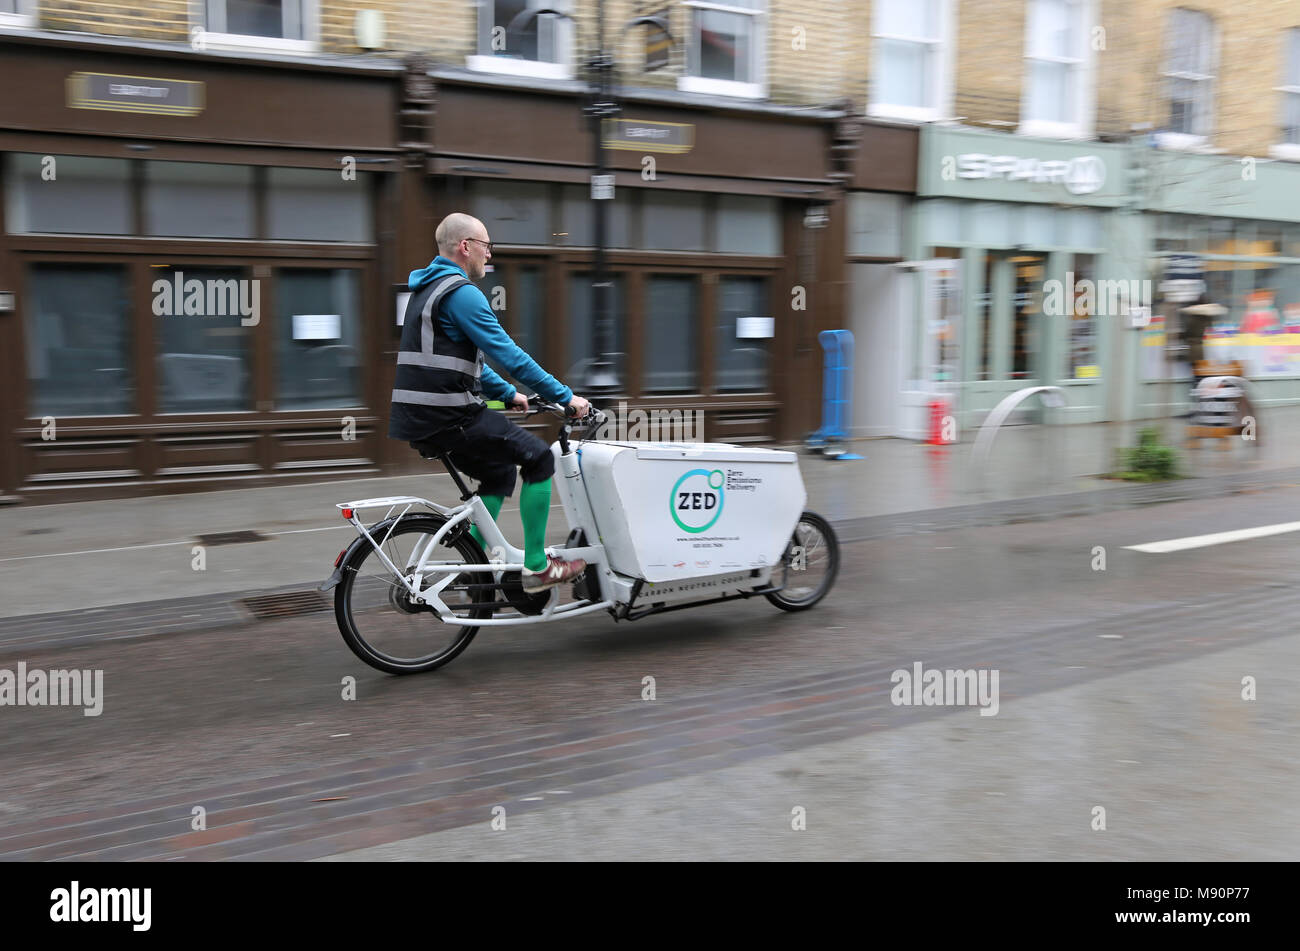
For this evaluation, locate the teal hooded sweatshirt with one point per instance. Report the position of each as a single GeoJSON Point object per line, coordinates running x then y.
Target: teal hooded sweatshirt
{"type": "Point", "coordinates": [466, 315]}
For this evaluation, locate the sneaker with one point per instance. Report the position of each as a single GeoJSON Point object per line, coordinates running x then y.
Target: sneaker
{"type": "Point", "coordinates": [555, 572]}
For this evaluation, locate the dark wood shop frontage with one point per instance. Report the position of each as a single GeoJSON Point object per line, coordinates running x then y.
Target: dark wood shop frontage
{"type": "Point", "coordinates": [200, 257]}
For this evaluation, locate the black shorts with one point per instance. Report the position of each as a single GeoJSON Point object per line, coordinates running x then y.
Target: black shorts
{"type": "Point", "coordinates": [488, 447]}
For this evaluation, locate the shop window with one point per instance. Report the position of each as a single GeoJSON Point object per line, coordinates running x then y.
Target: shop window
{"type": "Point", "coordinates": [18, 14]}
{"type": "Point", "coordinates": [542, 47]}
{"type": "Point", "coordinates": [1289, 148]}
{"type": "Point", "coordinates": [743, 353]}
{"type": "Point", "coordinates": [1172, 233]}
{"type": "Point", "coordinates": [984, 315]}
{"type": "Point", "coordinates": [78, 341]}
{"type": "Point", "coordinates": [1292, 241]}
{"type": "Point", "coordinates": [1083, 320]}
{"type": "Point", "coordinates": [671, 319]}
{"type": "Point", "coordinates": [1189, 76]}
{"type": "Point", "coordinates": [1058, 61]}
{"type": "Point", "coordinates": [576, 228]}
{"type": "Point", "coordinates": [674, 221]}
{"type": "Point", "coordinates": [317, 338]}
{"type": "Point", "coordinates": [306, 204]}
{"type": "Point", "coordinates": [876, 224]}
{"type": "Point", "coordinates": [749, 225]}
{"type": "Point", "coordinates": [289, 26]}
{"type": "Point", "coordinates": [204, 320]}
{"type": "Point", "coordinates": [724, 49]}
{"type": "Point", "coordinates": [911, 50]}
{"type": "Point", "coordinates": [66, 194]}
{"type": "Point", "coordinates": [1026, 314]}
{"type": "Point", "coordinates": [516, 294]}
{"type": "Point", "coordinates": [582, 332]}
{"type": "Point", "coordinates": [1267, 240]}
{"type": "Point", "coordinates": [196, 199]}
{"type": "Point", "coordinates": [513, 212]}
{"type": "Point", "coordinates": [525, 315]}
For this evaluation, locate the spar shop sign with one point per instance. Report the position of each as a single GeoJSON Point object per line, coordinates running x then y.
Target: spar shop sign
{"type": "Point", "coordinates": [696, 499]}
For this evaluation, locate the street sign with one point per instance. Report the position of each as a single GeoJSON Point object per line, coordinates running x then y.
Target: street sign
{"type": "Point", "coordinates": [1184, 278]}
{"type": "Point", "coordinates": [640, 135]}
{"type": "Point", "coordinates": [147, 94]}
{"type": "Point", "coordinates": [602, 187]}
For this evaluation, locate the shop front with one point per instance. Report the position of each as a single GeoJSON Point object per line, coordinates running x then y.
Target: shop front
{"type": "Point", "coordinates": [1022, 270]}
{"type": "Point", "coordinates": [190, 267]}
{"type": "Point", "coordinates": [1226, 232]}
{"type": "Point", "coordinates": [721, 245]}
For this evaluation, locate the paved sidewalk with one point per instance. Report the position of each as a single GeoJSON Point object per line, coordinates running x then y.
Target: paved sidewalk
{"type": "Point", "coordinates": [1212, 784]}
{"type": "Point", "coordinates": [89, 555]}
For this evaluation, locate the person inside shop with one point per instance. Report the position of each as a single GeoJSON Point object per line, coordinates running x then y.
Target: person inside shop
{"type": "Point", "coordinates": [438, 396]}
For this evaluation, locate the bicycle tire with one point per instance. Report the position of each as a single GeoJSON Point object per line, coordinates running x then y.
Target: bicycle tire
{"type": "Point", "coordinates": [394, 608]}
{"type": "Point", "coordinates": [825, 552]}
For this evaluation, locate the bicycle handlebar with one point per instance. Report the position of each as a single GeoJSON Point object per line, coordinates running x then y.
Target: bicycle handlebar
{"type": "Point", "coordinates": [593, 418]}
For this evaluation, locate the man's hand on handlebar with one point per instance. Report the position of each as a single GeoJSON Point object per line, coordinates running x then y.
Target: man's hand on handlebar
{"type": "Point", "coordinates": [578, 409]}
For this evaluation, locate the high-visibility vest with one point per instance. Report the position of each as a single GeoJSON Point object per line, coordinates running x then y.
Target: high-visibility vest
{"type": "Point", "coordinates": [437, 383]}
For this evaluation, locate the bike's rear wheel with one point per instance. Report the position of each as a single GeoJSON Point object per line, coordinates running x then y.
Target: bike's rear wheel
{"type": "Point", "coordinates": [376, 615]}
{"type": "Point", "coordinates": [808, 566]}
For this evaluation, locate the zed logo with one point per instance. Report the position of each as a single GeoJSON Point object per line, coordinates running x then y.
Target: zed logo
{"type": "Point", "coordinates": [696, 500]}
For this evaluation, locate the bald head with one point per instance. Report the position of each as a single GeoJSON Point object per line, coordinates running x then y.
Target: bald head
{"type": "Point", "coordinates": [470, 255]}
{"type": "Point", "coordinates": [454, 229]}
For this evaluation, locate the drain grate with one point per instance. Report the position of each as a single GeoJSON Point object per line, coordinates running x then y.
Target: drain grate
{"type": "Point", "coordinates": [230, 538]}
{"type": "Point", "coordinates": [287, 604]}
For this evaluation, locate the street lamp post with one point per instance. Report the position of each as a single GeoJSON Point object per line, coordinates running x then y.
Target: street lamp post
{"type": "Point", "coordinates": [602, 379]}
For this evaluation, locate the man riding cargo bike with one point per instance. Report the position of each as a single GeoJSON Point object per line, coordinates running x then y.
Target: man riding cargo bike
{"type": "Point", "coordinates": [441, 379]}
{"type": "Point", "coordinates": [653, 526]}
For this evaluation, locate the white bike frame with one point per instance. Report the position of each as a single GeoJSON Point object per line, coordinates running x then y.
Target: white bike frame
{"type": "Point", "coordinates": [615, 590]}
{"type": "Point", "coordinates": [505, 557]}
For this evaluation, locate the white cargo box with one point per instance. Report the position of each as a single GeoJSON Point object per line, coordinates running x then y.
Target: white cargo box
{"type": "Point", "coordinates": [667, 511]}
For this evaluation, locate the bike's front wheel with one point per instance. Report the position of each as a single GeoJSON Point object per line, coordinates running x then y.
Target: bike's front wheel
{"type": "Point", "coordinates": [808, 566]}
{"type": "Point", "coordinates": [375, 613]}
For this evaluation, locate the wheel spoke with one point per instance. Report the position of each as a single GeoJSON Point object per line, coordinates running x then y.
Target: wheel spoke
{"type": "Point", "coordinates": [384, 624]}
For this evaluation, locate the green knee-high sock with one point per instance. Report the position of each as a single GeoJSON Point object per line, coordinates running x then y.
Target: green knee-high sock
{"type": "Point", "coordinates": [493, 504]}
{"type": "Point", "coordinates": [534, 509]}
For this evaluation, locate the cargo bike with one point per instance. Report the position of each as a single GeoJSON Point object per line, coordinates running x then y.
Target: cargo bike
{"type": "Point", "coordinates": [661, 525]}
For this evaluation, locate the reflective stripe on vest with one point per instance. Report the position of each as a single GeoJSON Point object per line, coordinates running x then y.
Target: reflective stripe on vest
{"type": "Point", "coordinates": [435, 399]}
{"type": "Point", "coordinates": [426, 357]}
{"type": "Point", "coordinates": [441, 392]}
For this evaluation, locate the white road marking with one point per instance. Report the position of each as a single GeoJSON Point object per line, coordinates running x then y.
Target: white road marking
{"type": "Point", "coordinates": [191, 541]}
{"type": "Point", "coordinates": [96, 551]}
{"type": "Point", "coordinates": [1217, 538]}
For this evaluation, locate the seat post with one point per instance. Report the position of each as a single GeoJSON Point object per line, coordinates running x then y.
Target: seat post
{"type": "Point", "coordinates": [445, 459]}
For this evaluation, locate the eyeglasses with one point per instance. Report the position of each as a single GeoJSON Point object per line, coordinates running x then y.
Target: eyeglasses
{"type": "Point", "coordinates": [486, 244]}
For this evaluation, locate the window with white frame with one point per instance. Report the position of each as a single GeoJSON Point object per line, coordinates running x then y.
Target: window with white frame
{"type": "Point", "coordinates": [288, 26]}
{"type": "Point", "coordinates": [911, 52]}
{"type": "Point", "coordinates": [509, 41]}
{"type": "Point", "coordinates": [1189, 75]}
{"type": "Point", "coordinates": [724, 48]}
{"type": "Point", "coordinates": [18, 13]}
{"type": "Point", "coordinates": [1058, 69]}
{"type": "Point", "coordinates": [1290, 90]}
